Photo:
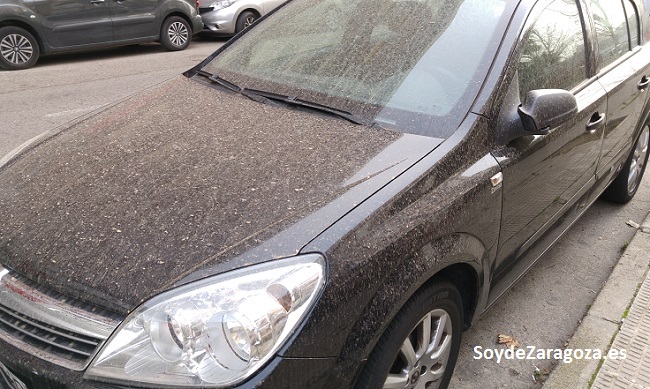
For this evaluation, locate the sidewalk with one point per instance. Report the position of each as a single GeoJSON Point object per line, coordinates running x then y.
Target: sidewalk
{"type": "Point", "coordinates": [619, 319]}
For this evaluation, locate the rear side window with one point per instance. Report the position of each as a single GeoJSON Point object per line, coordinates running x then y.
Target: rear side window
{"type": "Point", "coordinates": [611, 30]}
{"type": "Point", "coordinates": [553, 54]}
{"type": "Point", "coordinates": [632, 22]}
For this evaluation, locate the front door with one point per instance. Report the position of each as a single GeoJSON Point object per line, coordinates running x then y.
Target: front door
{"type": "Point", "coordinates": [545, 175]}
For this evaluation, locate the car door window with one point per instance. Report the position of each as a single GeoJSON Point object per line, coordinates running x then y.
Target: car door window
{"type": "Point", "coordinates": [553, 54]}
{"type": "Point", "coordinates": [611, 30]}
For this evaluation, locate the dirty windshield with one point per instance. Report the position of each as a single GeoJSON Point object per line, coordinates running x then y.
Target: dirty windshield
{"type": "Point", "coordinates": [410, 65]}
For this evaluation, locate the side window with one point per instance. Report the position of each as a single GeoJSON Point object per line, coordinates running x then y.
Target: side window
{"type": "Point", "coordinates": [611, 30]}
{"type": "Point", "coordinates": [632, 22]}
{"type": "Point", "coordinates": [553, 54]}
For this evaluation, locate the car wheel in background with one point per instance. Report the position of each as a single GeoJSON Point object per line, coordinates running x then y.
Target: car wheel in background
{"type": "Point", "coordinates": [176, 33]}
{"type": "Point", "coordinates": [245, 20]}
{"type": "Point", "coordinates": [420, 346]}
{"type": "Point", "coordinates": [18, 48]}
{"type": "Point", "coordinates": [623, 188]}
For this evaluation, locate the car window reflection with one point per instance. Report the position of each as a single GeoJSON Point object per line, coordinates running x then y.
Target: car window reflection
{"type": "Point", "coordinates": [554, 52]}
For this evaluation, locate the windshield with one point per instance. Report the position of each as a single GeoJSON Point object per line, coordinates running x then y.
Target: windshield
{"type": "Point", "coordinates": [410, 65]}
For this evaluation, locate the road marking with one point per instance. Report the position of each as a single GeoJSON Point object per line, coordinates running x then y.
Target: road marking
{"type": "Point", "coordinates": [73, 111]}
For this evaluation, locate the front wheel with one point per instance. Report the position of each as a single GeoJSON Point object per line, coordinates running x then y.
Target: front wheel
{"type": "Point", "coordinates": [245, 20]}
{"type": "Point", "coordinates": [18, 48]}
{"type": "Point", "coordinates": [420, 346]}
{"type": "Point", "coordinates": [624, 187]}
{"type": "Point", "coordinates": [176, 33]}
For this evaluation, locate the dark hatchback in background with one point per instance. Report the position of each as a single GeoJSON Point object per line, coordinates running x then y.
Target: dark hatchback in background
{"type": "Point", "coordinates": [31, 28]}
{"type": "Point", "coordinates": [348, 195]}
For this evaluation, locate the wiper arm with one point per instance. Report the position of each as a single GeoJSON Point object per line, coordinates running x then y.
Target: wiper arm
{"type": "Point", "coordinates": [292, 100]}
{"type": "Point", "coordinates": [220, 81]}
{"type": "Point", "coordinates": [264, 97]}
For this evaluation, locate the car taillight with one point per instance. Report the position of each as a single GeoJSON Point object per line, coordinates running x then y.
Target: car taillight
{"type": "Point", "coordinates": [197, 4]}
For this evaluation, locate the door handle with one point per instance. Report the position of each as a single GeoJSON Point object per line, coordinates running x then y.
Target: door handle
{"type": "Point", "coordinates": [96, 1]}
{"type": "Point", "coordinates": [597, 121]}
{"type": "Point", "coordinates": [643, 84]}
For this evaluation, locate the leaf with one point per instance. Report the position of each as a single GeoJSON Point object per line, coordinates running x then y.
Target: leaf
{"type": "Point", "coordinates": [508, 340]}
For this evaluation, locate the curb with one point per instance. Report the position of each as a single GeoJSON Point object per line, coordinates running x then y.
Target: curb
{"type": "Point", "coordinates": [605, 327]}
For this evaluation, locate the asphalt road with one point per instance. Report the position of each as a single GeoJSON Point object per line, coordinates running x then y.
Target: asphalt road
{"type": "Point", "coordinates": [63, 87]}
{"type": "Point", "coordinates": [542, 310]}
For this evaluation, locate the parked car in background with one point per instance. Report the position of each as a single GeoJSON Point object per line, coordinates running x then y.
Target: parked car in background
{"type": "Point", "coordinates": [229, 17]}
{"type": "Point", "coordinates": [327, 201]}
{"type": "Point", "coordinates": [29, 29]}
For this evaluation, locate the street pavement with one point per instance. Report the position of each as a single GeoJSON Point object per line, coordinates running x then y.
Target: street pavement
{"type": "Point", "coordinates": [619, 324]}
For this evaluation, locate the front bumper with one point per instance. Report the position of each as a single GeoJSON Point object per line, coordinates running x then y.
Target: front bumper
{"type": "Point", "coordinates": [221, 21]}
{"type": "Point", "coordinates": [35, 372]}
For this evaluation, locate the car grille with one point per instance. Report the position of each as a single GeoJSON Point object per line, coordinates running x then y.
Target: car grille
{"type": "Point", "coordinates": [203, 10]}
{"type": "Point", "coordinates": [49, 325]}
{"type": "Point", "coordinates": [64, 344]}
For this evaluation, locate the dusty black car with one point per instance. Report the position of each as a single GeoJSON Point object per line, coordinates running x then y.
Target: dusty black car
{"type": "Point", "coordinates": [31, 28]}
{"type": "Point", "coordinates": [346, 196]}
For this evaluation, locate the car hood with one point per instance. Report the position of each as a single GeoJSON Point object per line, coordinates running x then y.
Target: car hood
{"type": "Point", "coordinates": [122, 205]}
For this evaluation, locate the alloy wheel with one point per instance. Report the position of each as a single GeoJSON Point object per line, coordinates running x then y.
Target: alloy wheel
{"type": "Point", "coordinates": [16, 49]}
{"type": "Point", "coordinates": [178, 34]}
{"type": "Point", "coordinates": [424, 354]}
{"type": "Point", "coordinates": [249, 21]}
{"type": "Point", "coordinates": [638, 160]}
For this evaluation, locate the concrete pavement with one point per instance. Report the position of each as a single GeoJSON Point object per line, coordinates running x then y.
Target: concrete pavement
{"type": "Point", "coordinates": [618, 324]}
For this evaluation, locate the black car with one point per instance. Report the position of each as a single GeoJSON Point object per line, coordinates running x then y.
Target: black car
{"type": "Point", "coordinates": [31, 28]}
{"type": "Point", "coordinates": [319, 205]}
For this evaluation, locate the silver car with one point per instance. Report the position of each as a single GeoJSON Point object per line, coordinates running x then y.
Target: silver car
{"type": "Point", "coordinates": [228, 17]}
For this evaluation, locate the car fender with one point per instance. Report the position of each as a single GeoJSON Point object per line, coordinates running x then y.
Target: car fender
{"type": "Point", "coordinates": [249, 7]}
{"type": "Point", "coordinates": [183, 9]}
{"type": "Point", "coordinates": [21, 16]}
{"type": "Point", "coordinates": [445, 223]}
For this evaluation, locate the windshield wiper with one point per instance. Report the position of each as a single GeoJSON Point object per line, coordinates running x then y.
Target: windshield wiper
{"type": "Point", "coordinates": [264, 97]}
{"type": "Point", "coordinates": [220, 81]}
{"type": "Point", "coordinates": [293, 100]}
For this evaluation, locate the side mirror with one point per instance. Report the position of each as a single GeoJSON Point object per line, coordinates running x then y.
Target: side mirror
{"type": "Point", "coordinates": [544, 109]}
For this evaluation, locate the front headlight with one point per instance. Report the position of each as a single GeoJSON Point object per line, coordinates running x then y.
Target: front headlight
{"type": "Point", "coordinates": [217, 331]}
{"type": "Point", "coordinates": [217, 5]}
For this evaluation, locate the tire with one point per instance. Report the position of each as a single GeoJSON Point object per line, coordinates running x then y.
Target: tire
{"type": "Point", "coordinates": [626, 184]}
{"type": "Point", "coordinates": [18, 48]}
{"type": "Point", "coordinates": [405, 356]}
{"type": "Point", "coordinates": [244, 20]}
{"type": "Point", "coordinates": [176, 33]}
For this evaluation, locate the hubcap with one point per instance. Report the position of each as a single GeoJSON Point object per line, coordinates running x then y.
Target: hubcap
{"type": "Point", "coordinates": [16, 49]}
{"type": "Point", "coordinates": [178, 34]}
{"type": "Point", "coordinates": [638, 161]}
{"type": "Point", "coordinates": [423, 357]}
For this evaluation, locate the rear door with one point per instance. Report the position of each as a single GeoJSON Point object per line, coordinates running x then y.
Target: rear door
{"type": "Point", "coordinates": [69, 23]}
{"type": "Point", "coordinates": [623, 71]}
{"type": "Point", "coordinates": [133, 19]}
